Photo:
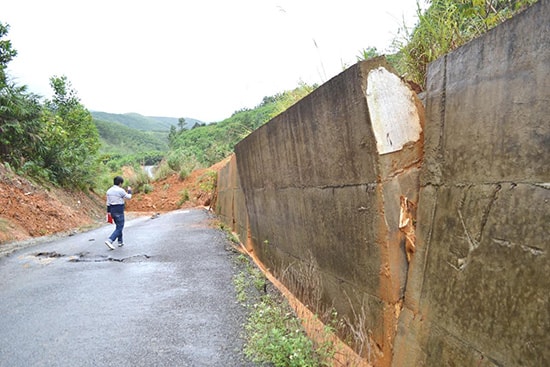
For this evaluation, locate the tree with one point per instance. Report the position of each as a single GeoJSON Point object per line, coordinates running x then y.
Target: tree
{"type": "Point", "coordinates": [19, 111]}
{"type": "Point", "coordinates": [7, 53]}
{"type": "Point", "coordinates": [57, 141]}
{"type": "Point", "coordinates": [181, 124]}
{"type": "Point", "coordinates": [71, 137]}
{"type": "Point", "coordinates": [172, 135]}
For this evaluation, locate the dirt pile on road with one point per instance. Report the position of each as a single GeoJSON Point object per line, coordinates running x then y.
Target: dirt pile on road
{"type": "Point", "coordinates": [31, 210]}
{"type": "Point", "coordinates": [173, 193]}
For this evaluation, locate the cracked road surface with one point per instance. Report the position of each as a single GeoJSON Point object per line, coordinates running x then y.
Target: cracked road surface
{"type": "Point", "coordinates": [164, 299]}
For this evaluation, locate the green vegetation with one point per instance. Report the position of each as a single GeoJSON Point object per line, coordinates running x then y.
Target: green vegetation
{"type": "Point", "coordinates": [184, 197]}
{"type": "Point", "coordinates": [121, 139]}
{"type": "Point", "coordinates": [70, 139]}
{"type": "Point", "coordinates": [124, 146]}
{"type": "Point", "coordinates": [205, 145]}
{"type": "Point", "coordinates": [140, 181]}
{"type": "Point", "coordinates": [444, 26]}
{"type": "Point", "coordinates": [207, 182]}
{"type": "Point", "coordinates": [61, 142]}
{"type": "Point", "coordinates": [55, 141]}
{"type": "Point", "coordinates": [144, 123]}
{"type": "Point", "coordinates": [273, 332]}
{"type": "Point", "coordinates": [162, 172]}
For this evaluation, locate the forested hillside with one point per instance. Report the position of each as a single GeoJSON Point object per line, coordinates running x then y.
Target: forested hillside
{"type": "Point", "coordinates": [145, 123]}
{"type": "Point", "coordinates": [203, 146]}
{"type": "Point", "coordinates": [60, 142]}
{"type": "Point", "coordinates": [121, 139]}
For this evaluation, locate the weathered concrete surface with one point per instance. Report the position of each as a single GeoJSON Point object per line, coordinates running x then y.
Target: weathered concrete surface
{"type": "Point", "coordinates": [338, 188]}
{"type": "Point", "coordinates": [230, 204]}
{"type": "Point", "coordinates": [323, 188]}
{"type": "Point", "coordinates": [478, 291]}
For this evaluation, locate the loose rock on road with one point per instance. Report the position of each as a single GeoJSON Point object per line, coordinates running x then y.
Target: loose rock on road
{"type": "Point", "coordinates": [164, 299]}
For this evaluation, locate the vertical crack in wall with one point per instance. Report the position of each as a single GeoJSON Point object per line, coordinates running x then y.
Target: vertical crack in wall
{"type": "Point", "coordinates": [442, 111]}
{"type": "Point", "coordinates": [487, 211]}
{"type": "Point", "coordinates": [391, 124]}
{"type": "Point", "coordinates": [397, 125]}
{"type": "Point", "coordinates": [407, 225]}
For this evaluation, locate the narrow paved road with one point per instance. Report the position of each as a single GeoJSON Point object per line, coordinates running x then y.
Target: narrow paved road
{"type": "Point", "coordinates": [164, 299]}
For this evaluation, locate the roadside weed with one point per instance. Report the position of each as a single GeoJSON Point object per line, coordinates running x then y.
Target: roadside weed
{"type": "Point", "coordinates": [273, 333]}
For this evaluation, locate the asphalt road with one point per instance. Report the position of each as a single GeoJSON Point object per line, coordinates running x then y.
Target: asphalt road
{"type": "Point", "coordinates": [164, 299]}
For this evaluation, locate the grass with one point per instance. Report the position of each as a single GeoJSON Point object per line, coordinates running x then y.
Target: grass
{"type": "Point", "coordinates": [163, 171]}
{"type": "Point", "coordinates": [273, 333]}
{"type": "Point", "coordinates": [445, 26]}
{"type": "Point", "coordinates": [184, 197]}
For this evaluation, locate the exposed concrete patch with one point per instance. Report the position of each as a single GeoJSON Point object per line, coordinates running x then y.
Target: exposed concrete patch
{"type": "Point", "coordinates": [393, 113]}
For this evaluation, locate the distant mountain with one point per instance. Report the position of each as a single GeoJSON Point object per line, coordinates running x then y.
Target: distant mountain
{"type": "Point", "coordinates": [118, 138]}
{"type": "Point", "coordinates": [144, 123]}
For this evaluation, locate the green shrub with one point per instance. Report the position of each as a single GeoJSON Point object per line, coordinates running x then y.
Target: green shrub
{"type": "Point", "coordinates": [184, 197]}
{"type": "Point", "coordinates": [139, 181]}
{"type": "Point", "coordinates": [208, 181]}
{"type": "Point", "coordinates": [174, 162]}
{"type": "Point", "coordinates": [184, 173]}
{"type": "Point", "coordinates": [163, 170]}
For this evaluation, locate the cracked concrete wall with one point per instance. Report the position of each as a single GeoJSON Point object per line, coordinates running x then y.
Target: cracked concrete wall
{"type": "Point", "coordinates": [324, 184]}
{"type": "Point", "coordinates": [478, 288]}
{"type": "Point", "coordinates": [328, 194]}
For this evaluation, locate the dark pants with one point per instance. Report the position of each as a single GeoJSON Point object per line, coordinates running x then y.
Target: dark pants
{"type": "Point", "coordinates": [117, 212]}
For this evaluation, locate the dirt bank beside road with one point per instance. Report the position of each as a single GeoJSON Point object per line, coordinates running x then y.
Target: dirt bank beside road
{"type": "Point", "coordinates": [29, 211]}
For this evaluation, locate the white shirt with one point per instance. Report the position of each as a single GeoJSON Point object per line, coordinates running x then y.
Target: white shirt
{"type": "Point", "coordinates": [116, 195]}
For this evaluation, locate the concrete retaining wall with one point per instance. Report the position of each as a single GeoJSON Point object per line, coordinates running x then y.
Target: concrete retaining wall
{"type": "Point", "coordinates": [332, 194]}
{"type": "Point", "coordinates": [323, 205]}
{"type": "Point", "coordinates": [478, 292]}
{"type": "Point", "coordinates": [230, 204]}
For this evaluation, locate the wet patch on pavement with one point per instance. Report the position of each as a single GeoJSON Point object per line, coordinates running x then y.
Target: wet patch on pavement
{"type": "Point", "coordinates": [48, 254]}
{"type": "Point", "coordinates": [87, 257]}
{"type": "Point", "coordinates": [47, 257]}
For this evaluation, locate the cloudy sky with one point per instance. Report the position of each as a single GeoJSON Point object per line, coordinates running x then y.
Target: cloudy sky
{"type": "Point", "coordinates": [203, 59]}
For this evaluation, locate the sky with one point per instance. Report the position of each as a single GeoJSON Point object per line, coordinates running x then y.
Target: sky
{"type": "Point", "coordinates": [202, 59]}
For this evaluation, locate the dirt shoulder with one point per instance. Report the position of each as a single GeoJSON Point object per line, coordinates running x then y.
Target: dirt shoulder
{"type": "Point", "coordinates": [30, 212]}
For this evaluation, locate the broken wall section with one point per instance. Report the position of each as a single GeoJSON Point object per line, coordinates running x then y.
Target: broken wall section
{"type": "Point", "coordinates": [324, 184]}
{"type": "Point", "coordinates": [478, 293]}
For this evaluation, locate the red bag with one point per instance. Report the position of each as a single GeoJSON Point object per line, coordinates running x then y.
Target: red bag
{"type": "Point", "coordinates": [109, 218]}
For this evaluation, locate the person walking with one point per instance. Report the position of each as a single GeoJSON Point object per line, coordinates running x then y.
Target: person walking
{"type": "Point", "coordinates": [116, 197]}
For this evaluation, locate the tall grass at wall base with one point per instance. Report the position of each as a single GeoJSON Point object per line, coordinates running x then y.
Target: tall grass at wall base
{"type": "Point", "coordinates": [273, 333]}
